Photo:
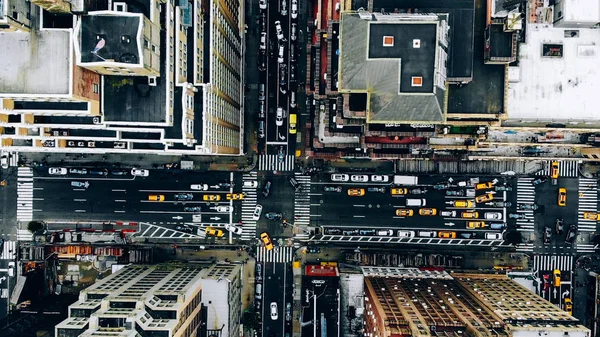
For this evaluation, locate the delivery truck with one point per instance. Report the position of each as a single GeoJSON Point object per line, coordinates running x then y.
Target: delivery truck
{"type": "Point", "coordinates": [406, 180]}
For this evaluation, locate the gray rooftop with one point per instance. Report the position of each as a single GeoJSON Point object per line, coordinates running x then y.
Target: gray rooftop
{"type": "Point", "coordinates": [119, 33]}
{"type": "Point", "coordinates": [389, 101]}
{"type": "Point", "coordinates": [35, 63]}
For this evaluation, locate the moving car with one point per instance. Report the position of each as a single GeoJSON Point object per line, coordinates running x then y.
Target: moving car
{"type": "Point", "coordinates": [528, 207]}
{"type": "Point", "coordinates": [547, 234]}
{"type": "Point", "coordinates": [156, 197]}
{"type": "Point", "coordinates": [464, 203]}
{"type": "Point", "coordinates": [235, 196]}
{"type": "Point", "coordinates": [498, 226]}
{"type": "Point", "coordinates": [448, 213]}
{"type": "Point", "coordinates": [571, 234]}
{"type": "Point", "coordinates": [337, 189]}
{"type": "Point", "coordinates": [359, 178]}
{"type": "Point", "coordinates": [278, 30]}
{"type": "Point", "coordinates": [404, 212]}
{"type": "Point", "coordinates": [458, 193]}
{"type": "Point", "coordinates": [280, 59]}
{"type": "Point", "coordinates": [554, 171]}
{"type": "Point", "coordinates": [484, 186]}
{"type": "Point", "coordinates": [192, 209]}
{"type": "Point", "coordinates": [356, 192]}
{"type": "Point", "coordinates": [591, 216]}
{"type": "Point", "coordinates": [262, 4]}
{"type": "Point", "coordinates": [539, 181]}
{"type": "Point", "coordinates": [233, 229]}
{"type": "Point", "coordinates": [556, 277]}
{"type": "Point", "coordinates": [399, 191]}
{"type": "Point", "coordinates": [493, 236]}
{"type": "Point", "coordinates": [273, 216]}
{"type": "Point", "coordinates": [4, 161]}
{"type": "Point", "coordinates": [293, 119]}
{"type": "Point", "coordinates": [199, 187]}
{"type": "Point", "coordinates": [139, 172]}
{"type": "Point", "coordinates": [427, 211]}
{"type": "Point", "coordinates": [274, 315]}
{"type": "Point", "coordinates": [80, 184]}
{"type": "Point", "coordinates": [184, 196]}
{"type": "Point", "coordinates": [266, 240]}
{"type": "Point", "coordinates": [568, 306]}
{"type": "Point", "coordinates": [476, 224]}
{"type": "Point", "coordinates": [99, 172]}
{"type": "Point", "coordinates": [250, 183]}
{"type": "Point", "coordinates": [78, 171]}
{"type": "Point", "coordinates": [447, 235]}
{"type": "Point", "coordinates": [119, 173]}
{"type": "Point", "coordinates": [211, 197]}
{"type": "Point", "coordinates": [279, 117]}
{"type": "Point", "coordinates": [294, 31]}
{"type": "Point", "coordinates": [380, 178]}
{"type": "Point", "coordinates": [223, 209]}
{"type": "Point", "coordinates": [257, 211]}
{"type": "Point", "coordinates": [184, 228]}
{"type": "Point", "coordinates": [562, 196]}
{"type": "Point", "coordinates": [493, 215]}
{"type": "Point", "coordinates": [469, 215]}
{"type": "Point", "coordinates": [294, 11]}
{"type": "Point", "coordinates": [559, 225]}
{"type": "Point", "coordinates": [340, 177]}
{"type": "Point", "coordinates": [483, 198]}
{"type": "Point", "coordinates": [288, 311]}
{"type": "Point", "coordinates": [214, 232]}
{"type": "Point", "coordinates": [283, 7]}
{"type": "Point", "coordinates": [57, 171]}
{"type": "Point", "coordinates": [267, 189]}
{"type": "Point", "coordinates": [376, 189]}
{"type": "Point", "coordinates": [503, 188]}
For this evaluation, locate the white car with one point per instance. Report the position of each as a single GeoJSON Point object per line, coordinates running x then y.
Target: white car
{"type": "Point", "coordinates": [279, 119]}
{"type": "Point", "coordinates": [293, 32]}
{"type": "Point", "coordinates": [199, 187]}
{"type": "Point", "coordinates": [493, 236]}
{"type": "Point", "coordinates": [359, 178]}
{"type": "Point", "coordinates": [406, 234]}
{"type": "Point", "coordinates": [251, 183]}
{"type": "Point", "coordinates": [280, 55]}
{"type": "Point", "coordinates": [139, 172]}
{"type": "Point", "coordinates": [339, 177]}
{"type": "Point", "coordinates": [257, 212]}
{"type": "Point", "coordinates": [278, 30]}
{"type": "Point", "coordinates": [493, 215]}
{"type": "Point", "coordinates": [233, 229]}
{"type": "Point", "coordinates": [382, 179]}
{"type": "Point", "coordinates": [283, 7]}
{"type": "Point", "coordinates": [223, 209]}
{"type": "Point", "coordinates": [262, 4]}
{"type": "Point", "coordinates": [263, 41]}
{"type": "Point", "coordinates": [294, 9]}
{"type": "Point", "coordinates": [57, 171]}
{"type": "Point", "coordinates": [4, 161]}
{"type": "Point", "coordinates": [274, 315]}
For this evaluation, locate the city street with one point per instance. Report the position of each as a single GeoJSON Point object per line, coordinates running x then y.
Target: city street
{"type": "Point", "coordinates": [277, 289]}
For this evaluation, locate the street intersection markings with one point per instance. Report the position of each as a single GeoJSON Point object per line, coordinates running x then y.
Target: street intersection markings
{"type": "Point", "coordinates": [588, 202]}
{"type": "Point", "coordinates": [551, 262]}
{"type": "Point", "coordinates": [568, 168]}
{"type": "Point", "coordinates": [154, 231]}
{"type": "Point", "coordinates": [585, 248]}
{"type": "Point", "coordinates": [24, 194]}
{"type": "Point", "coordinates": [524, 247]}
{"type": "Point", "coordinates": [271, 162]}
{"type": "Point", "coordinates": [248, 206]}
{"type": "Point", "coordinates": [302, 201]}
{"type": "Point", "coordinates": [24, 235]}
{"type": "Point", "coordinates": [13, 160]}
{"type": "Point", "coordinates": [525, 195]}
{"type": "Point", "coordinates": [277, 254]}
{"type": "Point", "coordinates": [9, 250]}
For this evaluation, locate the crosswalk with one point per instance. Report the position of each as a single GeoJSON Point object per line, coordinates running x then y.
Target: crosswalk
{"type": "Point", "coordinates": [302, 207]}
{"type": "Point", "coordinates": [588, 202]}
{"type": "Point", "coordinates": [9, 250]}
{"type": "Point", "coordinates": [149, 230]}
{"type": "Point", "coordinates": [248, 206]}
{"type": "Point", "coordinates": [24, 194]}
{"type": "Point", "coordinates": [24, 235]}
{"type": "Point", "coordinates": [277, 254]}
{"type": "Point", "coordinates": [271, 162]}
{"type": "Point", "coordinates": [552, 262]}
{"type": "Point", "coordinates": [525, 195]}
{"type": "Point", "coordinates": [13, 158]}
{"type": "Point", "coordinates": [569, 168]}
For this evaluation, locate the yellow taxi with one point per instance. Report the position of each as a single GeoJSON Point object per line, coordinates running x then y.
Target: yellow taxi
{"type": "Point", "coordinates": [556, 278]}
{"type": "Point", "coordinates": [447, 235]}
{"type": "Point", "coordinates": [484, 198]}
{"type": "Point", "coordinates": [211, 197]}
{"type": "Point", "coordinates": [562, 196]}
{"type": "Point", "coordinates": [399, 191]}
{"type": "Point", "coordinates": [568, 306]}
{"type": "Point", "coordinates": [266, 240]}
{"type": "Point", "coordinates": [235, 196]}
{"type": "Point", "coordinates": [356, 192]}
{"type": "Point", "coordinates": [484, 186]}
{"type": "Point", "coordinates": [156, 197]}
{"type": "Point", "coordinates": [213, 232]}
{"type": "Point", "coordinates": [554, 170]}
{"type": "Point", "coordinates": [476, 224]}
{"type": "Point", "coordinates": [591, 216]}
{"type": "Point", "coordinates": [404, 212]}
{"type": "Point", "coordinates": [470, 215]}
{"type": "Point", "coordinates": [427, 211]}
{"type": "Point", "coordinates": [463, 203]}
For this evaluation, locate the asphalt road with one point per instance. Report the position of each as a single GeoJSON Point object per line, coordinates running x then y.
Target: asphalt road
{"type": "Point", "coordinates": [277, 288]}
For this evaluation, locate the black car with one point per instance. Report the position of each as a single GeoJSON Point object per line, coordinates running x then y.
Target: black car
{"type": "Point", "coordinates": [282, 75]}
{"type": "Point", "coordinates": [333, 231]}
{"type": "Point", "coordinates": [267, 189]}
{"type": "Point", "coordinates": [273, 216]}
{"type": "Point", "coordinates": [192, 209]}
{"type": "Point", "coordinates": [547, 234]}
{"type": "Point", "coordinates": [102, 172]}
{"type": "Point", "coordinates": [184, 228]}
{"type": "Point", "coordinates": [539, 181]}
{"type": "Point", "coordinates": [119, 173]}
{"type": "Point", "coordinates": [292, 73]}
{"type": "Point", "coordinates": [458, 193]}
{"type": "Point", "coordinates": [184, 196]}
{"type": "Point", "coordinates": [571, 234]}
{"type": "Point", "coordinates": [559, 225]}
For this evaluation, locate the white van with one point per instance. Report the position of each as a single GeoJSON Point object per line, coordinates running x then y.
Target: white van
{"type": "Point", "coordinates": [415, 202]}
{"type": "Point", "coordinates": [263, 40]}
{"type": "Point", "coordinates": [428, 234]}
{"type": "Point", "coordinates": [406, 234]}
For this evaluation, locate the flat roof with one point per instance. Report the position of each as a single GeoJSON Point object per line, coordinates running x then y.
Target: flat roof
{"type": "Point", "coordinates": [131, 99]}
{"type": "Point", "coordinates": [551, 86]}
{"type": "Point", "coordinates": [381, 77]}
{"type": "Point", "coordinates": [39, 66]}
{"type": "Point", "coordinates": [460, 20]}
{"type": "Point", "coordinates": [120, 34]}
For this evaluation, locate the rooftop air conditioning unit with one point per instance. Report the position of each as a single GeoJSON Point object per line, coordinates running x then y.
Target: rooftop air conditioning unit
{"type": "Point", "coordinates": [120, 7]}
{"type": "Point", "coordinates": [152, 81]}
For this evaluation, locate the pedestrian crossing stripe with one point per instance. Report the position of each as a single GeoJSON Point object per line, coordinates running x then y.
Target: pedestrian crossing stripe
{"type": "Point", "coordinates": [525, 195]}
{"type": "Point", "coordinates": [281, 254]}
{"type": "Point", "coordinates": [566, 168]}
{"type": "Point", "coordinates": [588, 202]}
{"type": "Point", "coordinates": [302, 201]}
{"type": "Point", "coordinates": [248, 206]}
{"type": "Point", "coordinates": [24, 194]}
{"type": "Point", "coordinates": [552, 262]}
{"type": "Point", "coordinates": [9, 250]}
{"type": "Point", "coordinates": [271, 162]}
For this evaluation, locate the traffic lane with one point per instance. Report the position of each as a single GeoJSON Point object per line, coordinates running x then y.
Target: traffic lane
{"type": "Point", "coordinates": [273, 290]}
{"type": "Point", "coordinates": [547, 196]}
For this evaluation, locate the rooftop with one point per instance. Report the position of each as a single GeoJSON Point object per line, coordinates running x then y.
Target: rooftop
{"type": "Point", "coordinates": [396, 65]}
{"type": "Point", "coordinates": [551, 85]}
{"type": "Point", "coordinates": [36, 63]}
{"type": "Point", "coordinates": [131, 99]}
{"type": "Point", "coordinates": [120, 34]}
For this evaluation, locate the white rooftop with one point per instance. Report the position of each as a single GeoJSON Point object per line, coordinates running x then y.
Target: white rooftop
{"type": "Point", "coordinates": [581, 10]}
{"type": "Point", "coordinates": [35, 63]}
{"type": "Point", "coordinates": [557, 88]}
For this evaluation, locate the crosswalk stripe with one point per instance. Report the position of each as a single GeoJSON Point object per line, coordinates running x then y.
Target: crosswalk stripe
{"type": "Point", "coordinates": [25, 197]}
{"type": "Point", "coordinates": [281, 254]}
{"type": "Point", "coordinates": [249, 225]}
{"type": "Point", "coordinates": [271, 162]}
{"type": "Point", "coordinates": [566, 168]}
{"type": "Point", "coordinates": [588, 202]}
{"type": "Point", "coordinates": [525, 195]}
{"type": "Point", "coordinates": [9, 250]}
{"type": "Point", "coordinates": [552, 262]}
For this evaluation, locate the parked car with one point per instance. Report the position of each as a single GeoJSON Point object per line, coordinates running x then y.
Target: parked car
{"type": "Point", "coordinates": [283, 7]}
{"type": "Point", "coordinates": [80, 184]}
{"type": "Point", "coordinates": [333, 231]}
{"type": "Point", "coordinates": [119, 173]}
{"type": "Point", "coordinates": [359, 178]}
{"type": "Point", "coordinates": [184, 196]}
{"type": "Point", "coordinates": [350, 232]}
{"type": "Point", "coordinates": [78, 171]}
{"type": "Point", "coordinates": [547, 234]}
{"type": "Point", "coordinates": [493, 236]}
{"type": "Point", "coordinates": [99, 172]}
{"type": "Point", "coordinates": [139, 172]}
{"type": "Point", "coordinates": [293, 32]}
{"type": "Point", "coordinates": [340, 177]}
{"type": "Point", "coordinates": [192, 209]}
{"type": "Point", "coordinates": [458, 193]}
{"type": "Point", "coordinates": [380, 178]}
{"type": "Point", "coordinates": [366, 232]}
{"type": "Point", "coordinates": [58, 171]}
{"type": "Point", "coordinates": [288, 311]}
{"type": "Point", "coordinates": [262, 4]}
{"type": "Point", "coordinates": [337, 189]}
{"type": "Point", "coordinates": [199, 187]}
{"type": "Point", "coordinates": [376, 189]}
{"type": "Point", "coordinates": [223, 209]}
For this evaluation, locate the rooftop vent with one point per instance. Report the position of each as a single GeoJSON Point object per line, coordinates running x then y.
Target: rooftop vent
{"type": "Point", "coordinates": [416, 43]}
{"type": "Point", "coordinates": [120, 7]}
{"type": "Point", "coordinates": [388, 41]}
{"type": "Point", "coordinates": [152, 81]}
{"type": "Point", "coordinates": [417, 81]}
